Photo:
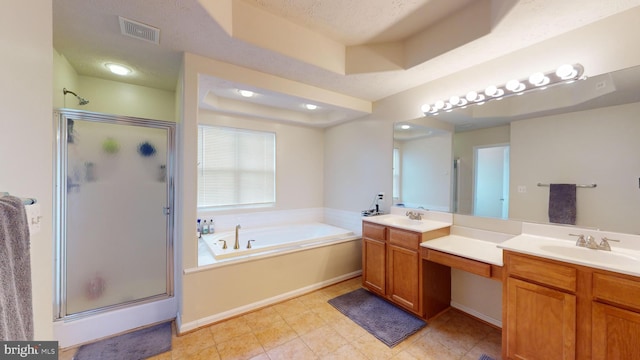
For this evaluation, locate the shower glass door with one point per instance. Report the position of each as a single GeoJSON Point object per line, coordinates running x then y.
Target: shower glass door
{"type": "Point", "coordinates": [115, 195]}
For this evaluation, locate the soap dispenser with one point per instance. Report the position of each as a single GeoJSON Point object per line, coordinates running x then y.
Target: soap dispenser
{"type": "Point", "coordinates": [205, 228]}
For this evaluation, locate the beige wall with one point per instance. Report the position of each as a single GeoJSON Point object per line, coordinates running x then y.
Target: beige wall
{"type": "Point", "coordinates": [215, 294]}
{"type": "Point", "coordinates": [299, 160]}
{"type": "Point", "coordinates": [598, 146]}
{"type": "Point", "coordinates": [26, 140]}
{"type": "Point", "coordinates": [463, 148]}
{"type": "Point", "coordinates": [109, 97]}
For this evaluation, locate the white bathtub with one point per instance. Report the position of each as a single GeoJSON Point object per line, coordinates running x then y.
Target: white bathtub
{"type": "Point", "coordinates": [277, 239]}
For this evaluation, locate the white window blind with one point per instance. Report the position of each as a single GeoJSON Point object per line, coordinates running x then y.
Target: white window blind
{"type": "Point", "coordinates": [236, 167]}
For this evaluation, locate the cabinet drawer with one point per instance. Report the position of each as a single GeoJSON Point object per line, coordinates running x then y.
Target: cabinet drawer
{"type": "Point", "coordinates": [472, 266]}
{"type": "Point", "coordinates": [543, 272]}
{"type": "Point", "coordinates": [618, 290]}
{"type": "Point", "coordinates": [405, 239]}
{"type": "Point", "coordinates": [373, 231]}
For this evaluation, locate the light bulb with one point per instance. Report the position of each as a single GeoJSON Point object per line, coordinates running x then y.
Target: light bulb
{"type": "Point", "coordinates": [514, 86]}
{"type": "Point", "coordinates": [405, 127]}
{"type": "Point", "coordinates": [566, 72]}
{"type": "Point", "coordinates": [310, 106]}
{"type": "Point", "coordinates": [246, 93]}
{"type": "Point", "coordinates": [454, 100]}
{"type": "Point", "coordinates": [439, 104]}
{"type": "Point", "coordinates": [425, 108]}
{"type": "Point", "coordinates": [538, 79]}
{"type": "Point", "coordinates": [118, 69]}
{"type": "Point", "coordinates": [493, 91]}
{"type": "Point", "coordinates": [471, 96]}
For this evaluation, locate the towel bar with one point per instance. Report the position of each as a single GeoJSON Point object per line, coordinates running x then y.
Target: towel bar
{"type": "Point", "coordinates": [578, 185]}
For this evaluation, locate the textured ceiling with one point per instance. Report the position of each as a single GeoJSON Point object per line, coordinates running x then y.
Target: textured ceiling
{"type": "Point", "coordinates": [357, 22]}
{"type": "Point", "coordinates": [87, 33]}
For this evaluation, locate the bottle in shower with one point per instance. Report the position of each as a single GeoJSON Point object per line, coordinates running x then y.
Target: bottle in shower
{"type": "Point", "coordinates": [211, 229]}
{"type": "Point", "coordinates": [199, 229]}
{"type": "Point", "coordinates": [205, 228]}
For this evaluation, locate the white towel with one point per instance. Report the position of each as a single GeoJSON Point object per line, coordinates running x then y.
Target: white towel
{"type": "Point", "coordinates": [16, 313]}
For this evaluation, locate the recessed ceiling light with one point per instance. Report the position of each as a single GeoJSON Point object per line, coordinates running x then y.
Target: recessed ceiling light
{"type": "Point", "coordinates": [310, 106]}
{"type": "Point", "coordinates": [246, 93]}
{"type": "Point", "coordinates": [405, 127]}
{"type": "Point", "coordinates": [118, 69]}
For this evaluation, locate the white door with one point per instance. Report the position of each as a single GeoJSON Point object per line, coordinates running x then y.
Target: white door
{"type": "Point", "coordinates": [491, 185]}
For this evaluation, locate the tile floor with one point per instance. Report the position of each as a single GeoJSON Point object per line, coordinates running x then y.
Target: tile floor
{"type": "Point", "coordinates": [308, 327]}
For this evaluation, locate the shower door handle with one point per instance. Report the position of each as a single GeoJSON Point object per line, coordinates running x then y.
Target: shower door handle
{"type": "Point", "coordinates": [166, 210]}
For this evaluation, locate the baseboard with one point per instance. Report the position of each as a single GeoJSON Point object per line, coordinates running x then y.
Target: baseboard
{"type": "Point", "coordinates": [193, 325]}
{"type": "Point", "coordinates": [476, 314]}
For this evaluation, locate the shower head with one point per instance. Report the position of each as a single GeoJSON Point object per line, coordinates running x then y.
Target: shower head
{"type": "Point", "coordinates": [81, 100]}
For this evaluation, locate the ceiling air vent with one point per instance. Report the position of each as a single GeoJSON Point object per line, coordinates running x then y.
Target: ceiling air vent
{"type": "Point", "coordinates": [139, 30]}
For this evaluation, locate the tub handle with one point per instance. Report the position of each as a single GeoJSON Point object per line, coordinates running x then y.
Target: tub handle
{"type": "Point", "coordinates": [224, 244]}
{"type": "Point", "coordinates": [249, 244]}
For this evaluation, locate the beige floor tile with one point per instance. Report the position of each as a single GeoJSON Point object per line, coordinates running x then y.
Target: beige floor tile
{"type": "Point", "coordinates": [293, 307]}
{"type": "Point", "coordinates": [373, 348]}
{"type": "Point", "coordinates": [427, 348]}
{"type": "Point", "coordinates": [240, 348]}
{"type": "Point", "coordinates": [328, 313]}
{"type": "Point", "coordinates": [346, 352]}
{"type": "Point", "coordinates": [164, 356]}
{"type": "Point", "coordinates": [348, 329]}
{"type": "Point", "coordinates": [210, 353]}
{"type": "Point", "coordinates": [324, 340]}
{"type": "Point", "coordinates": [262, 318]}
{"type": "Point", "coordinates": [294, 349]}
{"type": "Point", "coordinates": [191, 343]}
{"type": "Point", "coordinates": [275, 334]}
{"type": "Point", "coordinates": [305, 322]}
{"type": "Point", "coordinates": [229, 329]}
{"type": "Point", "coordinates": [308, 327]}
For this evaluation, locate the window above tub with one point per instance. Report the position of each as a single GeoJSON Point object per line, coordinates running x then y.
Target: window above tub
{"type": "Point", "coordinates": [236, 167]}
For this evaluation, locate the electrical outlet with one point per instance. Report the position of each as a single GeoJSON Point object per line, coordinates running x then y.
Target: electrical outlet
{"type": "Point", "coordinates": [522, 189]}
{"type": "Point", "coordinates": [381, 196]}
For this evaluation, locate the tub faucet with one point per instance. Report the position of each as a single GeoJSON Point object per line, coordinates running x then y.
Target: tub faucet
{"type": "Point", "coordinates": [236, 246]}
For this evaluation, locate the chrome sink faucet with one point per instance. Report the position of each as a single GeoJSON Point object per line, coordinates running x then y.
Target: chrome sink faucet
{"type": "Point", "coordinates": [236, 246]}
{"type": "Point", "coordinates": [414, 215]}
{"type": "Point", "coordinates": [590, 242]}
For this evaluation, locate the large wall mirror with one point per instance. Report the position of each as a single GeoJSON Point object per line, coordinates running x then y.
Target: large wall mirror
{"type": "Point", "coordinates": [499, 158]}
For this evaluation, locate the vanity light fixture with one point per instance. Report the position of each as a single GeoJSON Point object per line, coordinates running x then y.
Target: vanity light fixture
{"type": "Point", "coordinates": [118, 69]}
{"type": "Point", "coordinates": [246, 93]}
{"type": "Point", "coordinates": [310, 106]}
{"type": "Point", "coordinates": [537, 81]}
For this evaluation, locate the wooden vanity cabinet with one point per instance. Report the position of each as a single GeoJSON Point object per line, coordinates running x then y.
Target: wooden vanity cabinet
{"type": "Point", "coordinates": [616, 316]}
{"type": "Point", "coordinates": [391, 263]}
{"type": "Point", "coordinates": [557, 310]}
{"type": "Point", "coordinates": [374, 257]}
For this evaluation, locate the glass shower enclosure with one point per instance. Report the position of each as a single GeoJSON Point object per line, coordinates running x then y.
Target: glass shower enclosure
{"type": "Point", "coordinates": [114, 201]}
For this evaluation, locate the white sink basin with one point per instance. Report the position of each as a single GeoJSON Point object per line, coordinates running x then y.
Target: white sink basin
{"type": "Point", "coordinates": [404, 222]}
{"type": "Point", "coordinates": [619, 259]}
{"type": "Point", "coordinates": [597, 256]}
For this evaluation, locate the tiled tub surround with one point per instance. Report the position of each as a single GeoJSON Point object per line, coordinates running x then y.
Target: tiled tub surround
{"type": "Point", "coordinates": [225, 289]}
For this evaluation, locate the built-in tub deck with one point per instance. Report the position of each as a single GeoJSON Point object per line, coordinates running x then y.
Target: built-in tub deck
{"type": "Point", "coordinates": [268, 241]}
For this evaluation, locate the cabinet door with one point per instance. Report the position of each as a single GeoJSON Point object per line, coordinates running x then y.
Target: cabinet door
{"type": "Point", "coordinates": [373, 265]}
{"type": "Point", "coordinates": [541, 322]}
{"type": "Point", "coordinates": [615, 333]}
{"type": "Point", "coordinates": [403, 287]}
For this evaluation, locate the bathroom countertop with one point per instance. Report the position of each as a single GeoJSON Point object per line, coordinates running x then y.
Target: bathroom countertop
{"type": "Point", "coordinates": [402, 222]}
{"type": "Point", "coordinates": [470, 248]}
{"type": "Point", "coordinates": [621, 260]}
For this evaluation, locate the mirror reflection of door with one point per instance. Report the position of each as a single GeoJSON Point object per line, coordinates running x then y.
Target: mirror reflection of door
{"type": "Point", "coordinates": [491, 181]}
